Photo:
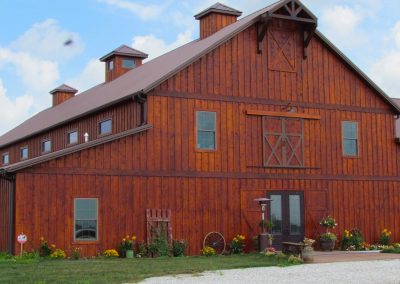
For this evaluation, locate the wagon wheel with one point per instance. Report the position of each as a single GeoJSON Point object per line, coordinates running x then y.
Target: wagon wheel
{"type": "Point", "coordinates": [216, 241]}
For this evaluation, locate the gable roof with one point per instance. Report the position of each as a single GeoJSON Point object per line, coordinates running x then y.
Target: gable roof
{"type": "Point", "coordinates": [149, 75]}
{"type": "Point", "coordinates": [218, 8]}
{"type": "Point", "coordinates": [125, 50]}
{"type": "Point", "coordinates": [64, 88]}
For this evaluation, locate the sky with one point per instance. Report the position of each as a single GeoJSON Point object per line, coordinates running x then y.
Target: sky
{"type": "Point", "coordinates": [34, 59]}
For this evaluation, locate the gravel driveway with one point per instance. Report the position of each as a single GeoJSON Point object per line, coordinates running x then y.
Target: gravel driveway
{"type": "Point", "coordinates": [379, 271]}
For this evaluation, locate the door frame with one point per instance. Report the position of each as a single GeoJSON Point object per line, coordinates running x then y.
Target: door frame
{"type": "Point", "coordinates": [286, 214]}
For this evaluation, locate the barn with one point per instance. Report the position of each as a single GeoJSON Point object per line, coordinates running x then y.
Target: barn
{"type": "Point", "coordinates": [261, 106]}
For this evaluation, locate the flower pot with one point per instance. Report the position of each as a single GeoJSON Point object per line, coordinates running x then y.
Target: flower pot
{"type": "Point", "coordinates": [327, 245]}
{"type": "Point", "coordinates": [308, 254]}
{"type": "Point", "coordinates": [129, 254]}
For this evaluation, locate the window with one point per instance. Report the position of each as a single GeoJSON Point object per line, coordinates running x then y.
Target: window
{"type": "Point", "coordinates": [85, 219]}
{"type": "Point", "coordinates": [128, 63]}
{"type": "Point", "coordinates": [5, 159]}
{"type": "Point", "coordinates": [206, 130]}
{"type": "Point", "coordinates": [46, 146]}
{"type": "Point", "coordinates": [24, 153]}
{"type": "Point", "coordinates": [350, 138]}
{"type": "Point", "coordinates": [283, 142]}
{"type": "Point", "coordinates": [110, 65]}
{"type": "Point", "coordinates": [72, 137]}
{"type": "Point", "coordinates": [105, 127]}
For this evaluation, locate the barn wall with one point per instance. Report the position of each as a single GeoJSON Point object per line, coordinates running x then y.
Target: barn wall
{"type": "Point", "coordinates": [7, 204]}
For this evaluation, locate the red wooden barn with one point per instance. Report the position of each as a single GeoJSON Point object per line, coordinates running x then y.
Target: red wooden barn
{"type": "Point", "coordinates": [264, 106]}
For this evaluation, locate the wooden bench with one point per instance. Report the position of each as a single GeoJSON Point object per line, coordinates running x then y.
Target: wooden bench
{"type": "Point", "coordinates": [292, 248]}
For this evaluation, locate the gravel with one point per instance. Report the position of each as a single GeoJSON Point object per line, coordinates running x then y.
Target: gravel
{"type": "Point", "coordinates": [378, 271]}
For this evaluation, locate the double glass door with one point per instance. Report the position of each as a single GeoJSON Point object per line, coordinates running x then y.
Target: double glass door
{"type": "Point", "coordinates": [286, 213]}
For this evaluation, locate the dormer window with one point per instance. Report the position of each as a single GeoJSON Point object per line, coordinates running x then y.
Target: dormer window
{"type": "Point", "coordinates": [24, 153]}
{"type": "Point", "coordinates": [128, 63]}
{"type": "Point", "coordinates": [105, 127]}
{"type": "Point", "coordinates": [5, 159]}
{"type": "Point", "coordinates": [110, 65]}
{"type": "Point", "coordinates": [46, 146]}
{"type": "Point", "coordinates": [72, 137]}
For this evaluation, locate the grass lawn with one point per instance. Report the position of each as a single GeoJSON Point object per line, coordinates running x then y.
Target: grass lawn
{"type": "Point", "coordinates": [117, 270]}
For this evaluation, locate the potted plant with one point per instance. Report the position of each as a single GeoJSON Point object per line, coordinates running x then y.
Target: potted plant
{"type": "Point", "coordinates": [327, 240]}
{"type": "Point", "coordinates": [127, 245]}
{"type": "Point", "coordinates": [308, 251]}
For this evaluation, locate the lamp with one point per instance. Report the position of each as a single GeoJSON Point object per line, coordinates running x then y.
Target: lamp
{"type": "Point", "coordinates": [263, 204]}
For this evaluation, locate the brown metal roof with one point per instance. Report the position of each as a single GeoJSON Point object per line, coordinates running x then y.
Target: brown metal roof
{"type": "Point", "coordinates": [146, 77]}
{"type": "Point", "coordinates": [218, 8]}
{"type": "Point", "coordinates": [64, 88]}
{"type": "Point", "coordinates": [125, 51]}
{"type": "Point", "coordinates": [70, 150]}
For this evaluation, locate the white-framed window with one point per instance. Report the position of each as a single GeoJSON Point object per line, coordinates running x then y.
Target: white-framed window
{"type": "Point", "coordinates": [46, 146]}
{"type": "Point", "coordinates": [105, 127]}
{"type": "Point", "coordinates": [206, 124]}
{"type": "Point", "coordinates": [85, 219]}
{"type": "Point", "coordinates": [24, 153]}
{"type": "Point", "coordinates": [5, 158]}
{"type": "Point", "coordinates": [110, 65]}
{"type": "Point", "coordinates": [350, 138]}
{"type": "Point", "coordinates": [72, 137]}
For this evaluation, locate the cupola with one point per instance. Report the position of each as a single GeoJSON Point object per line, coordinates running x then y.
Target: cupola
{"type": "Point", "coordinates": [121, 60]}
{"type": "Point", "coordinates": [215, 18]}
{"type": "Point", "coordinates": [62, 93]}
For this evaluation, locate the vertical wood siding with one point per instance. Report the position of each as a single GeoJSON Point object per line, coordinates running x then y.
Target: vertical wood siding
{"type": "Point", "coordinates": [6, 214]}
{"type": "Point", "coordinates": [209, 191]}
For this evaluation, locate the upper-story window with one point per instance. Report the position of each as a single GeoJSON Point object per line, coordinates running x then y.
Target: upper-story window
{"type": "Point", "coordinates": [350, 138]}
{"type": "Point", "coordinates": [46, 146]}
{"type": "Point", "coordinates": [105, 127]}
{"type": "Point", "coordinates": [110, 65]}
{"type": "Point", "coordinates": [206, 123]}
{"type": "Point", "coordinates": [283, 142]}
{"type": "Point", "coordinates": [72, 137]}
{"type": "Point", "coordinates": [24, 153]}
{"type": "Point", "coordinates": [128, 63]}
{"type": "Point", "coordinates": [5, 159]}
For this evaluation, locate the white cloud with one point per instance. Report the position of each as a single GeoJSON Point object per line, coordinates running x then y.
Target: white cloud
{"type": "Point", "coordinates": [145, 12]}
{"type": "Point", "coordinates": [385, 71]}
{"type": "Point", "coordinates": [35, 73]}
{"type": "Point", "coordinates": [13, 111]}
{"type": "Point", "coordinates": [92, 75]}
{"type": "Point", "coordinates": [155, 47]}
{"type": "Point", "coordinates": [342, 26]}
{"type": "Point", "coordinates": [47, 40]}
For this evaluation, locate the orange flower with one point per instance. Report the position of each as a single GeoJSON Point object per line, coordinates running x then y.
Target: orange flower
{"type": "Point", "coordinates": [133, 238]}
{"type": "Point", "coordinates": [53, 246]}
{"type": "Point", "coordinates": [41, 239]}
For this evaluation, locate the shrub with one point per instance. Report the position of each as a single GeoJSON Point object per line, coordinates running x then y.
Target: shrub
{"type": "Point", "coordinates": [44, 248]}
{"type": "Point", "coordinates": [76, 253]}
{"type": "Point", "coordinates": [159, 245]}
{"type": "Point", "coordinates": [352, 240]}
{"type": "Point", "coordinates": [208, 251]}
{"type": "Point", "coordinates": [238, 244]}
{"type": "Point", "coordinates": [270, 251]}
{"type": "Point", "coordinates": [384, 237]}
{"type": "Point", "coordinates": [58, 254]}
{"type": "Point", "coordinates": [179, 247]}
{"type": "Point", "coordinates": [110, 253]}
{"type": "Point", "coordinates": [142, 250]}
{"type": "Point", "coordinates": [295, 259]}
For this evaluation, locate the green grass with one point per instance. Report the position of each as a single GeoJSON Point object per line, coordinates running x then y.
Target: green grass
{"type": "Point", "coordinates": [116, 270]}
{"type": "Point", "coordinates": [391, 250]}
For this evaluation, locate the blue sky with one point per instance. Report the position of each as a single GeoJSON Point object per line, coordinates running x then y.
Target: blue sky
{"type": "Point", "coordinates": [33, 59]}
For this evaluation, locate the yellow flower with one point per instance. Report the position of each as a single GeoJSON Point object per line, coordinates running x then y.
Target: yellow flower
{"type": "Point", "coordinates": [42, 239]}
{"type": "Point", "coordinates": [124, 240]}
{"type": "Point", "coordinates": [134, 238]}
{"type": "Point", "coordinates": [53, 246]}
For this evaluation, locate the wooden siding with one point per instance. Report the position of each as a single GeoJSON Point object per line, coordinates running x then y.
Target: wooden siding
{"type": "Point", "coordinates": [123, 115]}
{"type": "Point", "coordinates": [7, 225]}
{"type": "Point", "coordinates": [118, 69]}
{"type": "Point", "coordinates": [214, 190]}
{"type": "Point", "coordinates": [213, 22]}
